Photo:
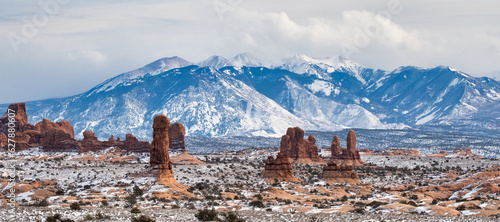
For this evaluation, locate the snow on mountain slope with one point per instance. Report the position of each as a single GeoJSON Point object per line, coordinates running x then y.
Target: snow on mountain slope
{"type": "Point", "coordinates": [326, 113]}
{"type": "Point", "coordinates": [421, 96]}
{"type": "Point", "coordinates": [245, 59]}
{"type": "Point", "coordinates": [154, 68]}
{"type": "Point", "coordinates": [323, 67]}
{"type": "Point", "coordinates": [298, 95]}
{"type": "Point", "coordinates": [244, 99]}
{"type": "Point", "coordinates": [215, 62]}
{"type": "Point", "coordinates": [205, 100]}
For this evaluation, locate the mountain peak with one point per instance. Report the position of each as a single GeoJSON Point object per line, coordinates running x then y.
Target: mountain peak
{"type": "Point", "coordinates": [154, 68]}
{"type": "Point", "coordinates": [215, 62]}
{"type": "Point", "coordinates": [245, 59]}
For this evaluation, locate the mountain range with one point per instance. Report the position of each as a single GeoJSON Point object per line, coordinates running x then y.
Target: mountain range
{"type": "Point", "coordinates": [240, 96]}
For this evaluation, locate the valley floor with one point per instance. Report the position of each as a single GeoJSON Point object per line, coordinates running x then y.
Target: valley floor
{"type": "Point", "coordinates": [394, 188]}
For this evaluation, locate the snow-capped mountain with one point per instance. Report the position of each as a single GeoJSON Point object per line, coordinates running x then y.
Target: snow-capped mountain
{"type": "Point", "coordinates": [423, 96]}
{"type": "Point", "coordinates": [215, 62]}
{"type": "Point", "coordinates": [245, 59]}
{"type": "Point", "coordinates": [240, 97]}
{"type": "Point", "coordinates": [154, 68]}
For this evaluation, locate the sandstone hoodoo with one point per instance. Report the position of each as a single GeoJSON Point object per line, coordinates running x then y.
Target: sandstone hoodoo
{"type": "Point", "coordinates": [279, 169]}
{"type": "Point", "coordinates": [297, 148]}
{"type": "Point", "coordinates": [159, 158]}
{"type": "Point", "coordinates": [346, 156]}
{"type": "Point", "coordinates": [20, 116]}
{"type": "Point", "coordinates": [332, 173]}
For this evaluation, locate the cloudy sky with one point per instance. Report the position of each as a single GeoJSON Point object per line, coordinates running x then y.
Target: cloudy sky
{"type": "Point", "coordinates": [68, 46]}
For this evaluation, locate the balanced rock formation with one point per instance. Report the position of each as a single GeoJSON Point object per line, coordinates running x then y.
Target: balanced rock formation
{"type": "Point", "coordinates": [159, 158]}
{"type": "Point", "coordinates": [279, 169]}
{"type": "Point", "coordinates": [348, 156]}
{"type": "Point", "coordinates": [297, 148]}
{"type": "Point", "coordinates": [176, 133]}
{"type": "Point", "coordinates": [332, 173]}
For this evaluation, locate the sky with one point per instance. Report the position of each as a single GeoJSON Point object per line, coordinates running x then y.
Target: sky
{"type": "Point", "coordinates": [59, 48]}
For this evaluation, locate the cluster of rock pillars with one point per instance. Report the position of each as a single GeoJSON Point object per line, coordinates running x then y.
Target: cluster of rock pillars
{"type": "Point", "coordinates": [294, 148]}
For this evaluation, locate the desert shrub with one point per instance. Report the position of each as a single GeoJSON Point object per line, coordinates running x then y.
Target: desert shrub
{"type": "Point", "coordinates": [343, 199]}
{"type": "Point", "coordinates": [60, 192]}
{"type": "Point", "coordinates": [256, 203]}
{"type": "Point", "coordinates": [207, 215]}
{"type": "Point", "coordinates": [434, 201]}
{"type": "Point", "coordinates": [135, 210]}
{"type": "Point", "coordinates": [233, 217]}
{"type": "Point", "coordinates": [138, 191]}
{"type": "Point", "coordinates": [375, 204]}
{"type": "Point", "coordinates": [42, 203]}
{"type": "Point", "coordinates": [57, 218]}
{"type": "Point", "coordinates": [142, 218]}
{"type": "Point", "coordinates": [413, 203]}
{"type": "Point", "coordinates": [359, 210]}
{"type": "Point", "coordinates": [461, 207]}
{"type": "Point", "coordinates": [74, 206]}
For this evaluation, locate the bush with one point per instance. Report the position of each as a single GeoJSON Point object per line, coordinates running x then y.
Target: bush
{"type": "Point", "coordinates": [135, 210]}
{"type": "Point", "coordinates": [233, 217]}
{"type": "Point", "coordinates": [57, 218]}
{"type": "Point", "coordinates": [461, 207]}
{"type": "Point", "coordinates": [138, 191]}
{"type": "Point", "coordinates": [42, 203]}
{"type": "Point", "coordinates": [256, 203]}
{"type": "Point", "coordinates": [434, 201]}
{"type": "Point", "coordinates": [142, 218]}
{"type": "Point", "coordinates": [359, 210]}
{"type": "Point", "coordinates": [207, 215]}
{"type": "Point", "coordinates": [60, 192]}
{"type": "Point", "coordinates": [413, 203]}
{"type": "Point", "coordinates": [74, 206]}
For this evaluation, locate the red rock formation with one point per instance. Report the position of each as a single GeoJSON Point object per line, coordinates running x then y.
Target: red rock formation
{"type": "Point", "coordinates": [332, 173]}
{"type": "Point", "coordinates": [159, 146]}
{"type": "Point", "coordinates": [90, 142]}
{"type": "Point", "coordinates": [16, 115]}
{"type": "Point", "coordinates": [52, 136]}
{"type": "Point", "coordinates": [348, 156]}
{"type": "Point", "coordinates": [159, 157]}
{"type": "Point", "coordinates": [3, 140]}
{"type": "Point", "coordinates": [335, 147]}
{"type": "Point", "coordinates": [176, 133]}
{"type": "Point", "coordinates": [297, 148]}
{"type": "Point", "coordinates": [20, 116]}
{"type": "Point", "coordinates": [64, 125]}
{"type": "Point", "coordinates": [58, 140]}
{"type": "Point", "coordinates": [132, 144]}
{"type": "Point", "coordinates": [279, 168]}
